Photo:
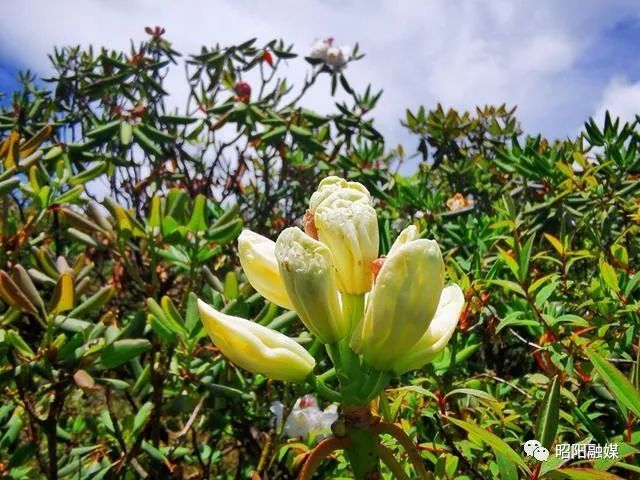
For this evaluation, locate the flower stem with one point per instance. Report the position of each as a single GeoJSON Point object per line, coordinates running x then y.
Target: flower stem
{"type": "Point", "coordinates": [326, 391]}
{"type": "Point", "coordinates": [331, 373]}
{"type": "Point", "coordinates": [333, 350]}
{"type": "Point", "coordinates": [374, 388]}
{"type": "Point", "coordinates": [362, 454]}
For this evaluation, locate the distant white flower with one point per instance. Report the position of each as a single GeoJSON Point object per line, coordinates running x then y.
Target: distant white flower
{"type": "Point", "coordinates": [320, 48]}
{"type": "Point", "coordinates": [333, 56]}
{"type": "Point", "coordinates": [306, 419]}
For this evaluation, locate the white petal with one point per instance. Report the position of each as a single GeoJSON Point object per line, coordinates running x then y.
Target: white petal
{"type": "Point", "coordinates": [258, 260]}
{"type": "Point", "coordinates": [256, 348]}
{"type": "Point", "coordinates": [438, 334]}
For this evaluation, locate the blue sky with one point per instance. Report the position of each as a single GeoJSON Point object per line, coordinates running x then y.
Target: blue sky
{"type": "Point", "coordinates": [559, 62]}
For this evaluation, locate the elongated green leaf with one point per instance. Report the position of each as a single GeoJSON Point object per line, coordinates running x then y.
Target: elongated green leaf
{"type": "Point", "coordinates": [198, 221]}
{"type": "Point", "coordinates": [226, 232]}
{"type": "Point", "coordinates": [9, 185]}
{"type": "Point", "coordinates": [121, 351]}
{"type": "Point", "coordinates": [176, 120]}
{"type": "Point", "coordinates": [473, 392]}
{"type": "Point", "coordinates": [126, 134]}
{"type": "Point", "coordinates": [192, 318]}
{"type": "Point", "coordinates": [586, 474]}
{"type": "Point", "coordinates": [493, 441]}
{"type": "Point", "coordinates": [508, 470]}
{"type": "Point", "coordinates": [89, 174]}
{"type": "Point", "coordinates": [105, 131]}
{"type": "Point", "coordinates": [513, 286]}
{"type": "Point", "coordinates": [525, 257]}
{"type": "Point", "coordinates": [146, 143]}
{"type": "Point", "coordinates": [547, 425]}
{"type": "Point", "coordinates": [609, 276]}
{"type": "Point", "coordinates": [231, 288]}
{"type": "Point", "coordinates": [141, 418]}
{"type": "Point", "coordinates": [621, 388]}
{"type": "Point", "coordinates": [94, 302]}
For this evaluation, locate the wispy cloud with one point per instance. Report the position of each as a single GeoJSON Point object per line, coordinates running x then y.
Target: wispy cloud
{"type": "Point", "coordinates": [531, 54]}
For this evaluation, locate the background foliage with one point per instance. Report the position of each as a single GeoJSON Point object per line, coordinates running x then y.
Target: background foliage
{"type": "Point", "coordinates": [105, 371]}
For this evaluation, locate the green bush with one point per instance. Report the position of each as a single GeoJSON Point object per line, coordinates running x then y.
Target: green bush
{"type": "Point", "coordinates": [105, 370]}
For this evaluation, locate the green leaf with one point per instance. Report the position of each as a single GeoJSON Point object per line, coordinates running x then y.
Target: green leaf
{"type": "Point", "coordinates": [103, 132]}
{"type": "Point", "coordinates": [70, 195]}
{"type": "Point", "coordinates": [7, 186]}
{"type": "Point", "coordinates": [14, 427]}
{"type": "Point", "coordinates": [226, 232]}
{"type": "Point", "coordinates": [473, 392]}
{"type": "Point", "coordinates": [126, 134]}
{"type": "Point", "coordinates": [514, 320]}
{"type": "Point", "coordinates": [525, 257]}
{"type": "Point", "coordinates": [88, 174]}
{"type": "Point", "coordinates": [555, 242]}
{"type": "Point", "coordinates": [14, 339]}
{"type": "Point", "coordinates": [94, 302]}
{"type": "Point", "coordinates": [621, 388]}
{"type": "Point", "coordinates": [176, 120]}
{"type": "Point", "coordinates": [609, 276]}
{"type": "Point", "coordinates": [121, 351]}
{"type": "Point", "coordinates": [153, 452]}
{"type": "Point", "coordinates": [496, 443]}
{"type": "Point", "coordinates": [507, 468]}
{"type": "Point", "coordinates": [509, 285]}
{"type": "Point", "coordinates": [586, 474]}
{"type": "Point", "coordinates": [510, 262]}
{"type": "Point", "coordinates": [198, 221]}
{"type": "Point", "coordinates": [140, 420]}
{"type": "Point", "coordinates": [231, 289]}
{"type": "Point", "coordinates": [170, 311]}
{"type": "Point", "coordinates": [155, 134]}
{"type": "Point", "coordinates": [165, 317]}
{"type": "Point", "coordinates": [549, 414]}
{"type": "Point", "coordinates": [82, 237]}
{"type": "Point", "coordinates": [192, 318]}
{"type": "Point", "coordinates": [146, 143]}
{"type": "Point", "coordinates": [155, 215]}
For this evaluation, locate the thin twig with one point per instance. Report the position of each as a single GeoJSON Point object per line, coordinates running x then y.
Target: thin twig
{"type": "Point", "coordinates": [318, 454]}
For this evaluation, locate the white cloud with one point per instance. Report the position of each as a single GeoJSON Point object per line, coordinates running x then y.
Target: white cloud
{"type": "Point", "coordinates": [621, 98]}
{"type": "Point", "coordinates": [459, 53]}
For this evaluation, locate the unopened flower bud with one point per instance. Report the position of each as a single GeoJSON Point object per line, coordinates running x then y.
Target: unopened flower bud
{"type": "Point", "coordinates": [306, 268]}
{"type": "Point", "coordinates": [402, 303]}
{"type": "Point", "coordinates": [256, 348]}
{"type": "Point", "coordinates": [347, 223]}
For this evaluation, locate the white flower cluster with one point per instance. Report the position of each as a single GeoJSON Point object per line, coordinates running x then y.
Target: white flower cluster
{"type": "Point", "coordinates": [335, 57]}
{"type": "Point", "coordinates": [306, 419]}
